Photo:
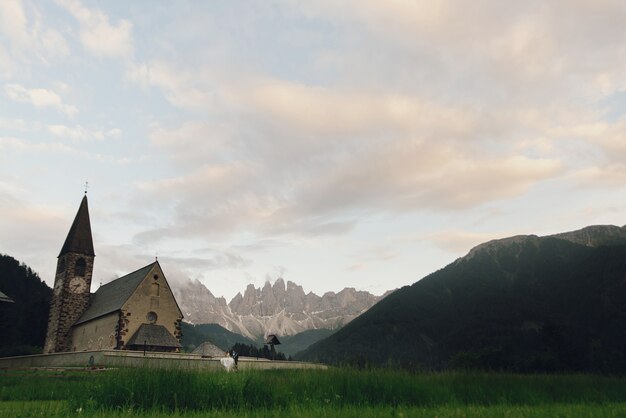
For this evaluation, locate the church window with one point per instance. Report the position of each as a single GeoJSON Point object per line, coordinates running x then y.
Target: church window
{"type": "Point", "coordinates": [155, 289]}
{"type": "Point", "coordinates": [151, 317]}
{"type": "Point", "coordinates": [80, 267]}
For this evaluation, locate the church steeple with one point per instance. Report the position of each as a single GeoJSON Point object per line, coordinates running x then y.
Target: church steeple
{"type": "Point", "coordinates": [72, 282]}
{"type": "Point", "coordinates": [79, 238]}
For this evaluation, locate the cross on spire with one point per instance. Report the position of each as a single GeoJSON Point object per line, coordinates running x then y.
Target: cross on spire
{"type": "Point", "coordinates": [86, 186]}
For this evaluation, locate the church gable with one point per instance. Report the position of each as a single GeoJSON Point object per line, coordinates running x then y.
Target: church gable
{"type": "Point", "coordinates": [153, 291]}
{"type": "Point", "coordinates": [152, 302]}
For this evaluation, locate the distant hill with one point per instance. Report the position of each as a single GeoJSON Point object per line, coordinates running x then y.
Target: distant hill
{"type": "Point", "coordinates": [194, 335]}
{"type": "Point", "coordinates": [23, 324]}
{"type": "Point", "coordinates": [293, 344]}
{"type": "Point", "coordinates": [525, 303]}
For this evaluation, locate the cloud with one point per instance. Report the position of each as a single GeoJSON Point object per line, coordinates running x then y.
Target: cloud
{"type": "Point", "coordinates": [13, 144]}
{"type": "Point", "coordinates": [525, 52]}
{"type": "Point", "coordinates": [325, 111]}
{"type": "Point", "coordinates": [460, 242]}
{"type": "Point", "coordinates": [28, 36]}
{"type": "Point", "coordinates": [14, 124]}
{"type": "Point", "coordinates": [79, 133]}
{"type": "Point", "coordinates": [611, 176]}
{"type": "Point", "coordinates": [610, 136]}
{"type": "Point", "coordinates": [183, 87]}
{"type": "Point", "coordinates": [216, 261]}
{"type": "Point", "coordinates": [33, 229]}
{"type": "Point", "coordinates": [378, 253]}
{"type": "Point", "coordinates": [195, 142]}
{"type": "Point", "coordinates": [17, 144]}
{"type": "Point", "coordinates": [383, 178]}
{"type": "Point", "coordinates": [39, 98]}
{"type": "Point", "coordinates": [416, 175]}
{"type": "Point", "coordinates": [97, 34]}
{"type": "Point", "coordinates": [311, 160]}
{"type": "Point", "coordinates": [14, 22]}
{"type": "Point", "coordinates": [114, 133]}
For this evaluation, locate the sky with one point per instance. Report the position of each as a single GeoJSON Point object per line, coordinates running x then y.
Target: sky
{"type": "Point", "coordinates": [353, 143]}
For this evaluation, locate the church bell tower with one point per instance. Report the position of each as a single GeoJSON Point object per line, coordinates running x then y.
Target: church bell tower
{"type": "Point", "coordinates": [72, 282]}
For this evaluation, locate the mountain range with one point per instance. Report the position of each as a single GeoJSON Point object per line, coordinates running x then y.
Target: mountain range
{"type": "Point", "coordinates": [524, 303]}
{"type": "Point", "coordinates": [282, 308]}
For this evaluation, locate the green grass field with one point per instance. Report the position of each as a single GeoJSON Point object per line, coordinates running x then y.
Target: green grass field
{"type": "Point", "coordinates": [310, 393]}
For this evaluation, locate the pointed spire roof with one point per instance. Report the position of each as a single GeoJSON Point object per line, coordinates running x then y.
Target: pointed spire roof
{"type": "Point", "coordinates": [79, 238]}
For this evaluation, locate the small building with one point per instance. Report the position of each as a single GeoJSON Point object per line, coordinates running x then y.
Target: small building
{"type": "Point", "coordinates": [272, 340]}
{"type": "Point", "coordinates": [5, 298]}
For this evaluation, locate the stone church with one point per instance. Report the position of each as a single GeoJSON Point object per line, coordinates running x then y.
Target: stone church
{"type": "Point", "coordinates": [135, 312]}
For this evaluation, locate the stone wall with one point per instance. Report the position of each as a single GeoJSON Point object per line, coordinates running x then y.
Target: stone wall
{"type": "Point", "coordinates": [98, 334]}
{"type": "Point", "coordinates": [116, 358]}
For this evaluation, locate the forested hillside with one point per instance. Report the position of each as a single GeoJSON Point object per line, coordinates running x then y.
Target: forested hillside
{"type": "Point", "coordinates": [522, 304]}
{"type": "Point", "coordinates": [23, 324]}
{"type": "Point", "coordinates": [194, 335]}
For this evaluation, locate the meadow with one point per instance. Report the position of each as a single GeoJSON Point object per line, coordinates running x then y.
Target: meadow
{"type": "Point", "coordinates": [306, 393]}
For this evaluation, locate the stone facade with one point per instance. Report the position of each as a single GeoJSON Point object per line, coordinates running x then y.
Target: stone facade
{"type": "Point", "coordinates": [98, 334]}
{"type": "Point", "coordinates": [67, 305]}
{"type": "Point", "coordinates": [152, 296]}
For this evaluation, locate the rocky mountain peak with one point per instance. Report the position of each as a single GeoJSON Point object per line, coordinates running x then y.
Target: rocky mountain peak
{"type": "Point", "coordinates": [281, 308]}
{"type": "Point", "coordinates": [279, 285]}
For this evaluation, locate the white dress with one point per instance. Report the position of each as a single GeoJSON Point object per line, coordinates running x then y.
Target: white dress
{"type": "Point", "coordinates": [228, 363]}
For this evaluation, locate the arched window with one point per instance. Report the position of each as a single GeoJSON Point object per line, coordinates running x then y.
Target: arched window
{"type": "Point", "coordinates": [155, 289]}
{"type": "Point", "coordinates": [80, 267]}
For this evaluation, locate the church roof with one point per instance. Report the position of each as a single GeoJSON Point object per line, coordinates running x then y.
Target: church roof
{"type": "Point", "coordinates": [79, 238]}
{"type": "Point", "coordinates": [5, 298]}
{"type": "Point", "coordinates": [112, 296]}
{"type": "Point", "coordinates": [153, 335]}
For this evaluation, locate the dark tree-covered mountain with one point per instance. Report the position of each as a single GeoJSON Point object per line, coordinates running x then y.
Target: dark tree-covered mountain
{"type": "Point", "coordinates": [526, 303]}
{"type": "Point", "coordinates": [293, 344]}
{"type": "Point", "coordinates": [23, 323]}
{"type": "Point", "coordinates": [194, 335]}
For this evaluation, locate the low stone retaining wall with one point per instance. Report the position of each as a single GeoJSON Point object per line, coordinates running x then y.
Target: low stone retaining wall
{"type": "Point", "coordinates": [116, 358]}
